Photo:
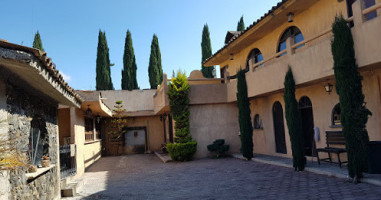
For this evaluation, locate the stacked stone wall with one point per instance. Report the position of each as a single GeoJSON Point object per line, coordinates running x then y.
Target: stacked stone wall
{"type": "Point", "coordinates": [22, 107]}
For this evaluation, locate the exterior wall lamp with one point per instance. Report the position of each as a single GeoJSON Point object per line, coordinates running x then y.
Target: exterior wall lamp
{"type": "Point", "coordinates": [98, 118]}
{"type": "Point", "coordinates": [88, 111]}
{"type": "Point", "coordinates": [290, 17]}
{"type": "Point", "coordinates": [163, 117]}
{"type": "Point", "coordinates": [231, 56]}
{"type": "Point", "coordinates": [328, 88]}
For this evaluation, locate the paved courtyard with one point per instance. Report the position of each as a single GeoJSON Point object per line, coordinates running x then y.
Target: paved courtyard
{"type": "Point", "coordinates": [146, 177]}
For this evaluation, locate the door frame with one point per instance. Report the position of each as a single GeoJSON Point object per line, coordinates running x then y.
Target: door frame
{"type": "Point", "coordinates": [313, 144]}
{"type": "Point", "coordinates": [279, 149]}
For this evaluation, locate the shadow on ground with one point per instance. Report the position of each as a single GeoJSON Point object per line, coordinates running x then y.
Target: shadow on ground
{"type": "Point", "coordinates": [146, 177]}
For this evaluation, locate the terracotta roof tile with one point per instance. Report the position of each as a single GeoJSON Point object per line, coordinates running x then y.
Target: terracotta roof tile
{"type": "Point", "coordinates": [235, 37]}
{"type": "Point", "coordinates": [47, 62]}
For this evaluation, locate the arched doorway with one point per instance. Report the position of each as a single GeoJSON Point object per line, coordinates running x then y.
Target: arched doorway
{"type": "Point", "coordinates": [280, 141]}
{"type": "Point", "coordinates": [305, 107]}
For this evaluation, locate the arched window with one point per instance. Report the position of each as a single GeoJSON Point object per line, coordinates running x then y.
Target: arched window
{"type": "Point", "coordinates": [255, 56]}
{"type": "Point", "coordinates": [292, 32]}
{"type": "Point", "coordinates": [257, 122]}
{"type": "Point", "coordinates": [336, 115]}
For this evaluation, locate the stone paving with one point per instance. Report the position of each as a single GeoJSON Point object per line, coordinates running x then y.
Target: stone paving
{"type": "Point", "coordinates": [146, 177]}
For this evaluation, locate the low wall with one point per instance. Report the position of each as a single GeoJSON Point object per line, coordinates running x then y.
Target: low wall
{"type": "Point", "coordinates": [214, 121]}
{"type": "Point", "coordinates": [92, 152]}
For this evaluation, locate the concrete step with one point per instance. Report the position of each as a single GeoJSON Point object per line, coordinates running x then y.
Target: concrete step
{"type": "Point", "coordinates": [69, 191]}
{"type": "Point", "coordinates": [71, 188]}
{"type": "Point", "coordinates": [163, 157]}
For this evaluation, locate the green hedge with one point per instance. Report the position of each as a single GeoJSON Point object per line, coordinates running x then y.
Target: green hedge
{"type": "Point", "coordinates": [182, 151]}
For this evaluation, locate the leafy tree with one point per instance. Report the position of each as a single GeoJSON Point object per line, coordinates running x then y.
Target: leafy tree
{"type": "Point", "coordinates": [294, 122]}
{"type": "Point", "coordinates": [178, 94]}
{"type": "Point", "coordinates": [245, 126]}
{"type": "Point", "coordinates": [241, 25]}
{"type": "Point", "coordinates": [206, 49]}
{"type": "Point", "coordinates": [103, 79]}
{"type": "Point", "coordinates": [354, 114]}
{"type": "Point", "coordinates": [37, 43]}
{"type": "Point", "coordinates": [129, 81]}
{"type": "Point", "coordinates": [155, 70]}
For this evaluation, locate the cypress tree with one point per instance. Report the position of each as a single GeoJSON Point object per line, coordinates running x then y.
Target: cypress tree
{"type": "Point", "coordinates": [129, 81]}
{"type": "Point", "coordinates": [155, 70]}
{"type": "Point", "coordinates": [354, 114]}
{"type": "Point", "coordinates": [245, 126]}
{"type": "Point", "coordinates": [206, 49]}
{"type": "Point", "coordinates": [178, 94]}
{"type": "Point", "coordinates": [37, 43]}
{"type": "Point", "coordinates": [103, 77]}
{"type": "Point", "coordinates": [294, 122]}
{"type": "Point", "coordinates": [241, 25]}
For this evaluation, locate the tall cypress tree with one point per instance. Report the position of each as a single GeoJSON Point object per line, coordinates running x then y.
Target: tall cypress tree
{"type": "Point", "coordinates": [245, 126]}
{"type": "Point", "coordinates": [129, 81]}
{"type": "Point", "coordinates": [354, 114]}
{"type": "Point", "coordinates": [37, 43]}
{"type": "Point", "coordinates": [241, 25]}
{"type": "Point", "coordinates": [103, 78]}
{"type": "Point", "coordinates": [206, 49]}
{"type": "Point", "coordinates": [155, 70]}
{"type": "Point", "coordinates": [294, 122]}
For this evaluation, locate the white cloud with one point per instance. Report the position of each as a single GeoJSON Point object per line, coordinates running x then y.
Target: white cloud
{"type": "Point", "coordinates": [67, 78]}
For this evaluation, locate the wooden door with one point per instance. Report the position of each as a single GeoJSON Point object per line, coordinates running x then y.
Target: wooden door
{"type": "Point", "coordinates": [280, 141]}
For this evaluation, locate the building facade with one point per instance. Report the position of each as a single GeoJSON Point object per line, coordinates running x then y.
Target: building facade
{"type": "Point", "coordinates": [31, 91]}
{"type": "Point", "coordinates": [297, 34]}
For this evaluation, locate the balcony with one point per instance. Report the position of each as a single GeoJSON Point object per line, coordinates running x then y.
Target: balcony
{"type": "Point", "coordinates": [313, 62]}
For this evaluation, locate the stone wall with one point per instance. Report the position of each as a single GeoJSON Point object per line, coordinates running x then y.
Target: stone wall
{"type": "Point", "coordinates": [23, 104]}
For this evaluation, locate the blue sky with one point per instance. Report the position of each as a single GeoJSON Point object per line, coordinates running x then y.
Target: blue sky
{"type": "Point", "coordinates": [69, 31]}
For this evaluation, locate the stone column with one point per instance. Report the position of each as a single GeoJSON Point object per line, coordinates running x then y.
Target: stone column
{"type": "Point", "coordinates": [289, 43]}
{"type": "Point", "coordinates": [226, 77]}
{"type": "Point", "coordinates": [358, 17]}
{"type": "Point", "coordinates": [378, 10]}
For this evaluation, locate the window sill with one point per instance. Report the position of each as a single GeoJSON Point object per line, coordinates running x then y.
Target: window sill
{"type": "Point", "coordinates": [39, 172]}
{"type": "Point", "coordinates": [93, 141]}
{"type": "Point", "coordinates": [336, 126]}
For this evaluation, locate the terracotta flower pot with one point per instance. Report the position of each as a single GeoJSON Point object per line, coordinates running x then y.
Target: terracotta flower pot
{"type": "Point", "coordinates": [32, 169]}
{"type": "Point", "coordinates": [45, 163]}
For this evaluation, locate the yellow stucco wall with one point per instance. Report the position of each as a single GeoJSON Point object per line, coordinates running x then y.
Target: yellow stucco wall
{"type": "Point", "coordinates": [153, 125]}
{"type": "Point", "coordinates": [92, 152]}
{"type": "Point", "coordinates": [63, 124]}
{"type": "Point", "coordinates": [209, 122]}
{"type": "Point", "coordinates": [322, 105]}
{"type": "Point", "coordinates": [78, 126]}
{"type": "Point", "coordinates": [86, 153]}
{"type": "Point", "coordinates": [314, 20]}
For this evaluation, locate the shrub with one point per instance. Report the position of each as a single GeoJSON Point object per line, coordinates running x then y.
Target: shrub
{"type": "Point", "coordinates": [178, 95]}
{"type": "Point", "coordinates": [220, 147]}
{"type": "Point", "coordinates": [182, 151]}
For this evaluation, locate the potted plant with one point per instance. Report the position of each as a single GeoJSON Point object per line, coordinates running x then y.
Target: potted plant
{"type": "Point", "coordinates": [31, 168]}
{"type": "Point", "coordinates": [45, 161]}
